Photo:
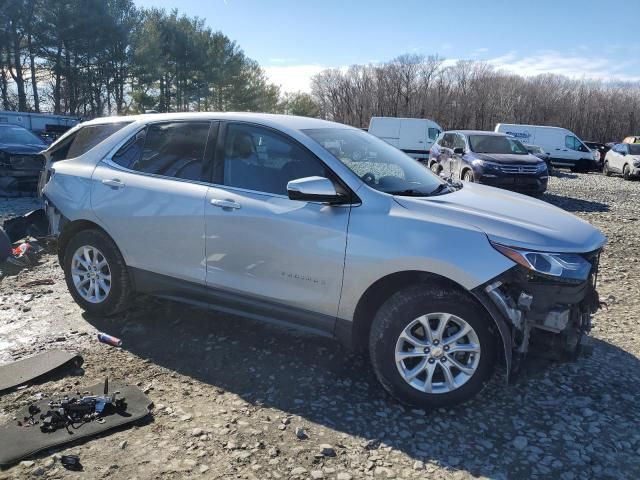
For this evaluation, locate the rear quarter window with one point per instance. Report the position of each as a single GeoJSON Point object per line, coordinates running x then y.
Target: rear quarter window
{"type": "Point", "coordinates": [85, 139]}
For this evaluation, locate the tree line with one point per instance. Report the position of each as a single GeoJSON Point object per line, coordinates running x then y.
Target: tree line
{"type": "Point", "coordinates": [475, 95]}
{"type": "Point", "coordinates": [98, 57]}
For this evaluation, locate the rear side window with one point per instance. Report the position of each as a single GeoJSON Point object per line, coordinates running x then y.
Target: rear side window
{"type": "Point", "coordinates": [85, 139]}
{"type": "Point", "coordinates": [169, 149]}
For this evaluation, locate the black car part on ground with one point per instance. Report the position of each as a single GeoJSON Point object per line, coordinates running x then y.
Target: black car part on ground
{"type": "Point", "coordinates": [34, 224]}
{"type": "Point", "coordinates": [31, 368]}
{"type": "Point", "coordinates": [20, 441]}
{"type": "Point", "coordinates": [547, 317]}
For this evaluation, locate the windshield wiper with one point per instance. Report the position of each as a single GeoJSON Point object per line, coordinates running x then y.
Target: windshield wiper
{"type": "Point", "coordinates": [440, 188]}
{"type": "Point", "coordinates": [409, 192]}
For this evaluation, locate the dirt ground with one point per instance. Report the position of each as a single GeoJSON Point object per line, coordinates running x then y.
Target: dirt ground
{"type": "Point", "coordinates": [238, 399]}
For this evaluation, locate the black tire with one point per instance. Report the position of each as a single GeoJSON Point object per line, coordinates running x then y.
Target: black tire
{"type": "Point", "coordinates": [398, 312]}
{"type": "Point", "coordinates": [435, 168]}
{"type": "Point", "coordinates": [605, 169]}
{"type": "Point", "coordinates": [118, 297]}
{"type": "Point", "coordinates": [626, 172]}
{"type": "Point", "coordinates": [467, 176]}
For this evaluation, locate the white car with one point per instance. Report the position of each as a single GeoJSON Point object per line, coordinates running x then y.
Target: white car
{"type": "Point", "coordinates": [623, 158]}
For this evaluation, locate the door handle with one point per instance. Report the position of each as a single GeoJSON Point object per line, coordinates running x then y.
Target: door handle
{"type": "Point", "coordinates": [225, 204]}
{"type": "Point", "coordinates": [113, 183]}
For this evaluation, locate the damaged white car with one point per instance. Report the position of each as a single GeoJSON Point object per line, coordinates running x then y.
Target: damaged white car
{"type": "Point", "coordinates": [270, 217]}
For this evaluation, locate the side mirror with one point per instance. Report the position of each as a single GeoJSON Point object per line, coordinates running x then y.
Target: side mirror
{"type": "Point", "coordinates": [314, 189]}
{"type": "Point", "coordinates": [458, 151]}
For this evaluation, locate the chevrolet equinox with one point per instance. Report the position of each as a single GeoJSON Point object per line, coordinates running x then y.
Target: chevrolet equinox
{"type": "Point", "coordinates": [266, 216]}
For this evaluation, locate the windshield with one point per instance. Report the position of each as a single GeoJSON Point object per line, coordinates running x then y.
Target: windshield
{"type": "Point", "coordinates": [380, 165]}
{"type": "Point", "coordinates": [18, 135]}
{"type": "Point", "coordinates": [496, 144]}
{"type": "Point", "coordinates": [634, 148]}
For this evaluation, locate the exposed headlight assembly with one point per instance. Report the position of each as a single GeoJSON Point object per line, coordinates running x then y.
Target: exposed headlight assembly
{"type": "Point", "coordinates": [563, 266]}
{"type": "Point", "coordinates": [542, 166]}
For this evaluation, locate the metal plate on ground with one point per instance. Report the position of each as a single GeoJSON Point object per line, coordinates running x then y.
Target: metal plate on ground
{"type": "Point", "coordinates": [27, 369]}
{"type": "Point", "coordinates": [18, 442]}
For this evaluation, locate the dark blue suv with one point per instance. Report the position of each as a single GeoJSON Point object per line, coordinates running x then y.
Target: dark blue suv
{"type": "Point", "coordinates": [490, 158]}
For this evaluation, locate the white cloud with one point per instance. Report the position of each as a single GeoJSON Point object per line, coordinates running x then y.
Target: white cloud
{"type": "Point", "coordinates": [571, 65]}
{"type": "Point", "coordinates": [293, 78]}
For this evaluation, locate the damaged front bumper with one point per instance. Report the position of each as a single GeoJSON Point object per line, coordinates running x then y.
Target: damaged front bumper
{"type": "Point", "coordinates": [541, 315]}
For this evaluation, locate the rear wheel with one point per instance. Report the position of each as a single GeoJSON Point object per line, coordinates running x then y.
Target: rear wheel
{"type": "Point", "coordinates": [432, 346]}
{"type": "Point", "coordinates": [626, 172]}
{"type": "Point", "coordinates": [96, 274]}
{"type": "Point", "coordinates": [605, 169]}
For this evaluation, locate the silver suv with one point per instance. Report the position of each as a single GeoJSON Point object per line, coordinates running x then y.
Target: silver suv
{"type": "Point", "coordinates": [270, 217]}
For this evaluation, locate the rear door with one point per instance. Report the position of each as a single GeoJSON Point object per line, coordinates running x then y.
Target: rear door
{"type": "Point", "coordinates": [265, 252]}
{"type": "Point", "coordinates": [150, 197]}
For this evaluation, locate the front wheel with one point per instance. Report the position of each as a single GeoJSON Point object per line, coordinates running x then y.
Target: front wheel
{"type": "Point", "coordinates": [96, 273]}
{"type": "Point", "coordinates": [468, 176]}
{"type": "Point", "coordinates": [435, 168]}
{"type": "Point", "coordinates": [431, 346]}
{"type": "Point", "coordinates": [626, 172]}
{"type": "Point", "coordinates": [605, 169]}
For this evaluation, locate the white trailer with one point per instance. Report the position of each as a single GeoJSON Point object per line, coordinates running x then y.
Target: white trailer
{"type": "Point", "coordinates": [564, 147]}
{"type": "Point", "coordinates": [414, 136]}
{"type": "Point", "coordinates": [40, 123]}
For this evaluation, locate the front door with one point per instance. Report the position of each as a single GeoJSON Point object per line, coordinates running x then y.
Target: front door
{"type": "Point", "coordinates": [150, 197]}
{"type": "Point", "coordinates": [271, 255]}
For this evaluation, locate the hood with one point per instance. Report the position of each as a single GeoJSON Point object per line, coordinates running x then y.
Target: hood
{"type": "Point", "coordinates": [508, 158]}
{"type": "Point", "coordinates": [510, 219]}
{"type": "Point", "coordinates": [22, 148]}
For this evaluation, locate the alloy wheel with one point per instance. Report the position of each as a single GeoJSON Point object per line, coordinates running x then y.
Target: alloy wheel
{"type": "Point", "coordinates": [437, 353]}
{"type": "Point", "coordinates": [91, 274]}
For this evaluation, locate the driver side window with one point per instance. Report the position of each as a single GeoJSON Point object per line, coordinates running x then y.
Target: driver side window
{"type": "Point", "coordinates": [256, 158]}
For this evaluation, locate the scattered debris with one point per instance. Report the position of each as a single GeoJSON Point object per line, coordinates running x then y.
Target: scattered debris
{"type": "Point", "coordinates": [71, 412]}
{"type": "Point", "coordinates": [71, 462]}
{"type": "Point", "coordinates": [69, 419]}
{"type": "Point", "coordinates": [109, 340]}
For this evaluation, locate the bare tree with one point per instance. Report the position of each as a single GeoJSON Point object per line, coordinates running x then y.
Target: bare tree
{"type": "Point", "coordinates": [470, 94]}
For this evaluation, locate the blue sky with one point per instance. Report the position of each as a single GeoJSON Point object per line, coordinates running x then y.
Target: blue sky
{"type": "Point", "coordinates": [293, 40]}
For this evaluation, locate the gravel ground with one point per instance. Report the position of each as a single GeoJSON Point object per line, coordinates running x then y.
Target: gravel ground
{"type": "Point", "coordinates": [237, 399]}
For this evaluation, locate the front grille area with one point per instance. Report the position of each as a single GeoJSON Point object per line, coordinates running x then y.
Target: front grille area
{"type": "Point", "coordinates": [524, 169]}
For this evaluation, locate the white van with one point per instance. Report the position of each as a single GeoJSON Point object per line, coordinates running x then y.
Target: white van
{"type": "Point", "coordinates": [563, 146]}
{"type": "Point", "coordinates": [414, 136]}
